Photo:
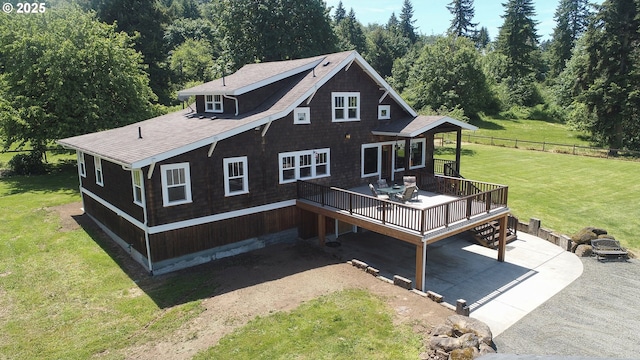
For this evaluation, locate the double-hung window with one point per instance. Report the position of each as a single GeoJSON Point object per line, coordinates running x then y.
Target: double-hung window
{"type": "Point", "coordinates": [97, 162]}
{"type": "Point", "coordinates": [136, 181]}
{"type": "Point", "coordinates": [82, 167]}
{"type": "Point", "coordinates": [213, 103]}
{"type": "Point", "coordinates": [307, 164]}
{"type": "Point", "coordinates": [176, 184]}
{"type": "Point", "coordinates": [345, 106]}
{"type": "Point", "coordinates": [236, 179]}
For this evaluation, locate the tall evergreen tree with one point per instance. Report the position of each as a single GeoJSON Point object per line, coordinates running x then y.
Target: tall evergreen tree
{"type": "Point", "coordinates": [482, 38]}
{"type": "Point", "coordinates": [610, 81]}
{"type": "Point", "coordinates": [407, 21]}
{"type": "Point", "coordinates": [350, 34]}
{"type": "Point", "coordinates": [339, 14]}
{"type": "Point", "coordinates": [518, 39]}
{"type": "Point", "coordinates": [463, 12]}
{"type": "Point", "coordinates": [571, 18]}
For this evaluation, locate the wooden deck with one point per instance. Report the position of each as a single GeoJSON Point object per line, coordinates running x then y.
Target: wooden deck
{"type": "Point", "coordinates": [447, 206]}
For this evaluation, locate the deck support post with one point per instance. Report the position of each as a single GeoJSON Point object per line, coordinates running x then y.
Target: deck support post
{"type": "Point", "coordinates": [458, 149]}
{"type": "Point", "coordinates": [420, 266]}
{"type": "Point", "coordinates": [502, 240]}
{"type": "Point", "coordinates": [322, 229]}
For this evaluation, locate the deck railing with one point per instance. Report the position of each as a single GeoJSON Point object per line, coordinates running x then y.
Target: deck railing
{"type": "Point", "coordinates": [442, 166]}
{"type": "Point", "coordinates": [474, 198]}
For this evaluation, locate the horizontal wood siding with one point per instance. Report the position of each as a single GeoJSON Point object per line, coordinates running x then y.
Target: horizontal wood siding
{"type": "Point", "coordinates": [118, 225]}
{"type": "Point", "coordinates": [117, 189]}
{"type": "Point", "coordinates": [189, 240]}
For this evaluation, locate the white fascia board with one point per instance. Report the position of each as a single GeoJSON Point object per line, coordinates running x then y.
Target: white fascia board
{"type": "Point", "coordinates": [371, 71]}
{"type": "Point", "coordinates": [94, 154]}
{"type": "Point", "coordinates": [433, 125]}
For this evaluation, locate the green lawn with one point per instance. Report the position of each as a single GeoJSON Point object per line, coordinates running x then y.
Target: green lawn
{"type": "Point", "coordinates": [351, 324]}
{"type": "Point", "coordinates": [529, 130]}
{"type": "Point", "coordinates": [62, 294]}
{"type": "Point", "coordinates": [565, 192]}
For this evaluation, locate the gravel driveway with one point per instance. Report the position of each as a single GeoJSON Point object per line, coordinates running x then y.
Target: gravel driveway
{"type": "Point", "coordinates": [598, 315]}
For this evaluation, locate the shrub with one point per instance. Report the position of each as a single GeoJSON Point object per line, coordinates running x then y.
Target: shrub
{"type": "Point", "coordinates": [27, 164]}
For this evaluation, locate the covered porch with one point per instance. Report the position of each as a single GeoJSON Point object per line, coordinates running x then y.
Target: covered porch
{"type": "Point", "coordinates": [445, 206]}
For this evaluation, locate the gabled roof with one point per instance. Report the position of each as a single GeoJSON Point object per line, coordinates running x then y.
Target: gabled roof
{"type": "Point", "coordinates": [412, 127]}
{"type": "Point", "coordinates": [251, 77]}
{"type": "Point", "coordinates": [173, 134]}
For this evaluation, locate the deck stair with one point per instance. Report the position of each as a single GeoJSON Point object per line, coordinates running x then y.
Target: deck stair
{"type": "Point", "coordinates": [488, 233]}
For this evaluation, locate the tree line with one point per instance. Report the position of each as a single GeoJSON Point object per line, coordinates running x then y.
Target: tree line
{"type": "Point", "coordinates": [89, 65]}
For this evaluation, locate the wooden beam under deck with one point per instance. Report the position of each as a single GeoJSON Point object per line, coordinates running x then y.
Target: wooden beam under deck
{"type": "Point", "coordinates": [405, 235]}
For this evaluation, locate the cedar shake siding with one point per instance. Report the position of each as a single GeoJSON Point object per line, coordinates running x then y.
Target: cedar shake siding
{"type": "Point", "coordinates": [213, 224]}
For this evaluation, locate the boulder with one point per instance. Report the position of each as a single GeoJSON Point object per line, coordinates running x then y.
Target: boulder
{"type": "Point", "coordinates": [464, 325]}
{"type": "Point", "coordinates": [584, 236]}
{"type": "Point", "coordinates": [445, 343]}
{"type": "Point", "coordinates": [468, 353]}
{"type": "Point", "coordinates": [599, 231]}
{"type": "Point", "coordinates": [442, 329]}
{"type": "Point", "coordinates": [584, 250]}
{"type": "Point", "coordinates": [486, 349]}
{"type": "Point", "coordinates": [606, 236]}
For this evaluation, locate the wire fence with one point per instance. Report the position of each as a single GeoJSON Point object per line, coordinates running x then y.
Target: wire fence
{"type": "Point", "coordinates": [572, 149]}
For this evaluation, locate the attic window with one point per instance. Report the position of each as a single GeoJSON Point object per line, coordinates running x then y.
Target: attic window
{"type": "Point", "coordinates": [345, 106]}
{"type": "Point", "coordinates": [384, 112]}
{"type": "Point", "coordinates": [213, 103]}
{"type": "Point", "coordinates": [302, 115]}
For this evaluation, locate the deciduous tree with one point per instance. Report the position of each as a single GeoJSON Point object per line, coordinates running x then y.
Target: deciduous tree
{"type": "Point", "coordinates": [65, 73]}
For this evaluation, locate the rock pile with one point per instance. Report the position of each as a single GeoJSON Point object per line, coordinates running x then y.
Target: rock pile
{"type": "Point", "coordinates": [460, 338]}
{"type": "Point", "coordinates": [582, 240]}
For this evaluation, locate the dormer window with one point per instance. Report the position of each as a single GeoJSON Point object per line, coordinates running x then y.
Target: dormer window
{"type": "Point", "coordinates": [213, 103]}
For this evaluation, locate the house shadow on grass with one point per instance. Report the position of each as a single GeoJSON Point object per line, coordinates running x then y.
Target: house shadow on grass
{"type": "Point", "coordinates": [216, 277]}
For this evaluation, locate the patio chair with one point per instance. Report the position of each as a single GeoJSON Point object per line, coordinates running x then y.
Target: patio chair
{"type": "Point", "coordinates": [408, 193]}
{"type": "Point", "coordinates": [375, 193]}
{"type": "Point", "coordinates": [382, 183]}
{"type": "Point", "coordinates": [411, 181]}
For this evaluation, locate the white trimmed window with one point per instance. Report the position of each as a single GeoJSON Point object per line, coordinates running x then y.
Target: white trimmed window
{"type": "Point", "coordinates": [345, 106]}
{"type": "Point", "coordinates": [417, 155]}
{"type": "Point", "coordinates": [236, 179]}
{"type": "Point", "coordinates": [82, 167]}
{"type": "Point", "coordinates": [136, 180]}
{"type": "Point", "coordinates": [176, 184]}
{"type": "Point", "coordinates": [302, 115]}
{"type": "Point", "coordinates": [98, 166]}
{"type": "Point", "coordinates": [303, 165]}
{"type": "Point", "coordinates": [213, 103]}
{"type": "Point", "coordinates": [384, 112]}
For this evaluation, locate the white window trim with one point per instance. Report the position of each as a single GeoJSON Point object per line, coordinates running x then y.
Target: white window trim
{"type": "Point", "coordinates": [165, 188]}
{"type": "Point", "coordinates": [302, 110]}
{"type": "Point", "coordinates": [82, 165]}
{"type": "Point", "coordinates": [134, 186]}
{"type": "Point", "coordinates": [213, 102]}
{"type": "Point", "coordinates": [245, 177]}
{"type": "Point", "coordinates": [345, 96]}
{"type": "Point", "coordinates": [297, 155]}
{"type": "Point", "coordinates": [378, 166]}
{"type": "Point", "coordinates": [97, 162]}
{"type": "Point", "coordinates": [380, 112]}
{"type": "Point", "coordinates": [424, 155]}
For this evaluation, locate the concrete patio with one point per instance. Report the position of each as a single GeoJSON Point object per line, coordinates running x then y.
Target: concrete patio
{"type": "Point", "coordinates": [498, 293]}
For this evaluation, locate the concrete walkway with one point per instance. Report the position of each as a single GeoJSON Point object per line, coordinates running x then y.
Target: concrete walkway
{"type": "Point", "coordinates": [497, 293]}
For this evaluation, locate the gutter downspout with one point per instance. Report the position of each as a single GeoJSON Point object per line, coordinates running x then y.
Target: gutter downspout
{"type": "Point", "coordinates": [234, 99]}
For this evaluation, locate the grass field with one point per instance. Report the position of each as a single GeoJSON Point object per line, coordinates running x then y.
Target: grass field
{"type": "Point", "coordinates": [565, 192]}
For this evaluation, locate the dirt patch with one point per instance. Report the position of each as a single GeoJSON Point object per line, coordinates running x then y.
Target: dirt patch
{"type": "Point", "coordinates": [273, 279]}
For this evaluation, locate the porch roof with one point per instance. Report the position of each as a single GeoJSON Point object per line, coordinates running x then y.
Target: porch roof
{"type": "Point", "coordinates": [412, 127]}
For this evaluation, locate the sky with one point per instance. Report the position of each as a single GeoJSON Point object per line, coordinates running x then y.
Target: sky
{"type": "Point", "coordinates": [433, 18]}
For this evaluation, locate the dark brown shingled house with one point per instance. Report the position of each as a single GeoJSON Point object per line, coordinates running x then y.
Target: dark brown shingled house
{"type": "Point", "coordinates": [246, 165]}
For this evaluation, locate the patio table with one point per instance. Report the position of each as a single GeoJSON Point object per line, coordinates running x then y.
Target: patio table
{"type": "Point", "coordinates": [391, 190]}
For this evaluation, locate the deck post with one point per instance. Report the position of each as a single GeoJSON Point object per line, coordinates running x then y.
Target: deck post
{"type": "Point", "coordinates": [458, 149]}
{"type": "Point", "coordinates": [420, 266]}
{"type": "Point", "coordinates": [502, 239]}
{"type": "Point", "coordinates": [322, 229]}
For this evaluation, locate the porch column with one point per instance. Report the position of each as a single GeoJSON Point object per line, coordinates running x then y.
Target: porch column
{"type": "Point", "coordinates": [429, 152]}
{"type": "Point", "coordinates": [458, 149]}
{"type": "Point", "coordinates": [502, 240]}
{"type": "Point", "coordinates": [419, 266]}
{"type": "Point", "coordinates": [322, 229]}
